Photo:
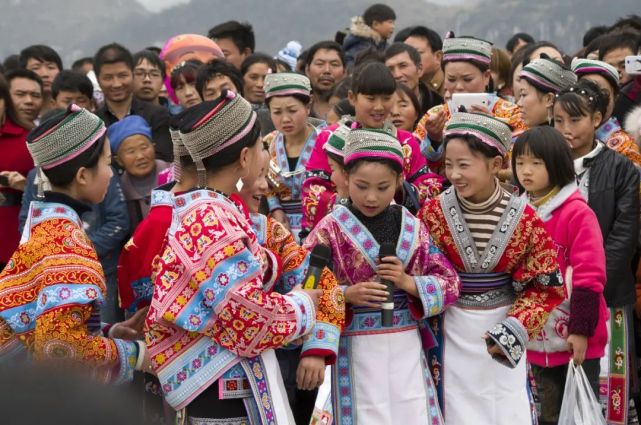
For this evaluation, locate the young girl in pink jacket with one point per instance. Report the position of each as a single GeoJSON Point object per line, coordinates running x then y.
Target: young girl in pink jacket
{"type": "Point", "coordinates": [576, 329]}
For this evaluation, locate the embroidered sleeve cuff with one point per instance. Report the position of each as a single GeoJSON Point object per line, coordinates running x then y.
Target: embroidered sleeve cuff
{"type": "Point", "coordinates": [511, 337]}
{"type": "Point", "coordinates": [273, 203]}
{"type": "Point", "coordinates": [273, 269]}
{"type": "Point", "coordinates": [127, 357]}
{"type": "Point", "coordinates": [323, 342]}
{"type": "Point", "coordinates": [584, 312]}
{"type": "Point", "coordinates": [430, 295]}
{"type": "Point", "coordinates": [550, 279]}
{"type": "Point", "coordinates": [305, 313]}
{"type": "Point", "coordinates": [428, 150]}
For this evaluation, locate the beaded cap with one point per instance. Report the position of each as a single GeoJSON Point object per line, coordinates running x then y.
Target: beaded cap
{"type": "Point", "coordinates": [591, 66]}
{"type": "Point", "coordinates": [548, 75]}
{"type": "Point", "coordinates": [489, 130]}
{"type": "Point", "coordinates": [76, 133]}
{"type": "Point", "coordinates": [371, 143]}
{"type": "Point", "coordinates": [467, 49]}
{"type": "Point", "coordinates": [287, 83]}
{"type": "Point", "coordinates": [336, 141]}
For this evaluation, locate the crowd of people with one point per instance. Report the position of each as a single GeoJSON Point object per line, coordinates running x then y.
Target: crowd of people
{"type": "Point", "coordinates": [477, 209]}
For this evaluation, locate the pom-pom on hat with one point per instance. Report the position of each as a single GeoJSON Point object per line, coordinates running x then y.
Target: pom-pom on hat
{"type": "Point", "coordinates": [489, 130]}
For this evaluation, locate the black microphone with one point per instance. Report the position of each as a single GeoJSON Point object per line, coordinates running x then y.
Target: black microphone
{"type": "Point", "coordinates": [387, 308]}
{"type": "Point", "coordinates": [318, 260]}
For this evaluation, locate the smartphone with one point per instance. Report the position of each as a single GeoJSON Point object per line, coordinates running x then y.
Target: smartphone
{"type": "Point", "coordinates": [633, 65]}
{"type": "Point", "coordinates": [467, 100]}
{"type": "Point", "coordinates": [4, 181]}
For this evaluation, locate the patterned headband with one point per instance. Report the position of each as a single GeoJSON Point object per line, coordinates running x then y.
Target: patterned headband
{"type": "Point", "coordinates": [75, 134]}
{"type": "Point", "coordinates": [491, 131]}
{"type": "Point", "coordinates": [467, 49]}
{"type": "Point", "coordinates": [286, 84]}
{"type": "Point", "coordinates": [371, 144]}
{"type": "Point", "coordinates": [590, 66]}
{"type": "Point", "coordinates": [548, 75]}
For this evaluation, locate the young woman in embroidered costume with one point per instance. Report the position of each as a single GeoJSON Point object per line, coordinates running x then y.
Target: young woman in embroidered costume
{"type": "Point", "coordinates": [576, 329]}
{"type": "Point", "coordinates": [288, 97]}
{"type": "Point", "coordinates": [212, 326]}
{"type": "Point", "coordinates": [381, 375]}
{"type": "Point", "coordinates": [371, 94]}
{"type": "Point", "coordinates": [466, 64]}
{"type": "Point", "coordinates": [509, 275]}
{"type": "Point", "coordinates": [609, 132]}
{"type": "Point", "coordinates": [53, 285]}
{"type": "Point", "coordinates": [321, 348]}
{"type": "Point", "coordinates": [541, 79]}
{"type": "Point", "coordinates": [609, 182]}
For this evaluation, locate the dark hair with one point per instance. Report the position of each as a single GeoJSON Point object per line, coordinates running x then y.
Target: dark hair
{"type": "Point", "coordinates": [583, 99]}
{"type": "Point", "coordinates": [6, 96]}
{"type": "Point", "coordinates": [593, 33]}
{"type": "Point", "coordinates": [341, 90]}
{"type": "Point", "coordinates": [111, 54]}
{"type": "Point", "coordinates": [153, 59]}
{"type": "Point", "coordinates": [373, 78]}
{"type": "Point", "coordinates": [352, 166]}
{"type": "Point", "coordinates": [530, 48]}
{"type": "Point", "coordinates": [433, 38]}
{"type": "Point", "coordinates": [370, 54]}
{"type": "Point", "coordinates": [324, 45]}
{"type": "Point", "coordinates": [549, 145]}
{"type": "Point", "coordinates": [23, 73]}
{"type": "Point", "coordinates": [11, 62]}
{"type": "Point", "coordinates": [78, 64]}
{"type": "Point", "coordinates": [211, 69]}
{"type": "Point", "coordinates": [400, 87]}
{"type": "Point", "coordinates": [514, 40]}
{"type": "Point", "coordinates": [62, 175]}
{"type": "Point", "coordinates": [344, 107]}
{"type": "Point", "coordinates": [154, 49]}
{"type": "Point", "coordinates": [398, 48]}
{"type": "Point", "coordinates": [242, 35]}
{"type": "Point", "coordinates": [402, 35]}
{"type": "Point", "coordinates": [594, 45]}
{"type": "Point", "coordinates": [337, 158]}
{"type": "Point", "coordinates": [475, 145]}
{"type": "Point", "coordinates": [378, 13]}
{"type": "Point", "coordinates": [620, 40]}
{"type": "Point", "coordinates": [71, 81]}
{"type": "Point", "coordinates": [42, 53]}
{"type": "Point", "coordinates": [502, 65]}
{"type": "Point", "coordinates": [283, 64]}
{"type": "Point", "coordinates": [255, 58]}
{"type": "Point", "coordinates": [187, 70]}
{"type": "Point", "coordinates": [630, 22]}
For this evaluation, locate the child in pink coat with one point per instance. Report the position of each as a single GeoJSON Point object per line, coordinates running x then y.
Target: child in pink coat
{"type": "Point", "coordinates": [576, 329]}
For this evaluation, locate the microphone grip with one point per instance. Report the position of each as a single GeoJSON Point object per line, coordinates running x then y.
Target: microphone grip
{"type": "Point", "coordinates": [387, 307]}
{"type": "Point", "coordinates": [312, 278]}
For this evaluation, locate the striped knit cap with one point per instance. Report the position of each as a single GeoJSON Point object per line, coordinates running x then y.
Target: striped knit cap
{"type": "Point", "coordinates": [590, 66]}
{"type": "Point", "coordinates": [367, 143]}
{"type": "Point", "coordinates": [77, 132]}
{"type": "Point", "coordinates": [286, 84]}
{"type": "Point", "coordinates": [211, 127]}
{"type": "Point", "coordinates": [489, 130]}
{"type": "Point", "coordinates": [547, 75]}
{"type": "Point", "coordinates": [336, 142]}
{"type": "Point", "coordinates": [472, 49]}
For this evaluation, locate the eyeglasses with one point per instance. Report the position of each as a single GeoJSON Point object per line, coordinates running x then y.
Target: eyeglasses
{"type": "Point", "coordinates": [142, 74]}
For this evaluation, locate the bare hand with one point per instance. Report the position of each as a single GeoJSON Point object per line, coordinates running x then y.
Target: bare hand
{"type": "Point", "coordinates": [480, 109]}
{"type": "Point", "coordinates": [280, 216]}
{"type": "Point", "coordinates": [366, 294]}
{"type": "Point", "coordinates": [131, 329]}
{"type": "Point", "coordinates": [310, 373]}
{"type": "Point", "coordinates": [314, 294]}
{"type": "Point", "coordinates": [146, 364]}
{"type": "Point", "coordinates": [16, 180]}
{"type": "Point", "coordinates": [393, 270]}
{"type": "Point", "coordinates": [435, 125]}
{"type": "Point", "coordinates": [578, 345]}
{"type": "Point", "coordinates": [493, 349]}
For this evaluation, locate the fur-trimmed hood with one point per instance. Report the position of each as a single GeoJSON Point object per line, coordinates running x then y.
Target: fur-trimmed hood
{"type": "Point", "coordinates": [632, 124]}
{"type": "Point", "coordinates": [359, 28]}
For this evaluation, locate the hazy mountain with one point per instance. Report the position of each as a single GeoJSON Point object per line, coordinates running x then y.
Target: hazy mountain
{"type": "Point", "coordinates": [78, 27]}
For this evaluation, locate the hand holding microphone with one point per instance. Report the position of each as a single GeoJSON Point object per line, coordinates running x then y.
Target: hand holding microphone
{"type": "Point", "coordinates": [387, 307]}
